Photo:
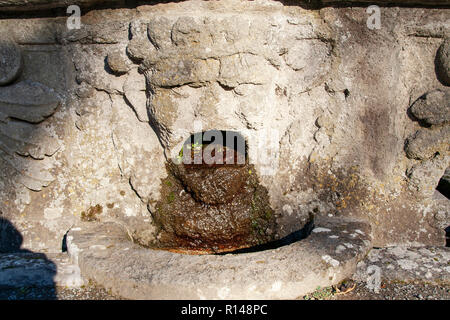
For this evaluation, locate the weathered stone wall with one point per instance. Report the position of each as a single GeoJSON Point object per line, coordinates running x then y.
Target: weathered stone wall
{"type": "Point", "coordinates": [33, 5]}
{"type": "Point", "coordinates": [89, 116]}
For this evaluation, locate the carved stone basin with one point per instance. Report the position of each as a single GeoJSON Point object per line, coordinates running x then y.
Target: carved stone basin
{"type": "Point", "coordinates": [105, 254]}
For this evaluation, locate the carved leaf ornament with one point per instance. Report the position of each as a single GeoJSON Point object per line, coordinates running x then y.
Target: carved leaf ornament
{"type": "Point", "coordinates": [25, 145]}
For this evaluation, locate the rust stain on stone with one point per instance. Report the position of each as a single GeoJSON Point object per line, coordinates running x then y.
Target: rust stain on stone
{"type": "Point", "coordinates": [212, 208]}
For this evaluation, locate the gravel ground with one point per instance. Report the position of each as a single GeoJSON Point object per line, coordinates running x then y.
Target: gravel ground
{"type": "Point", "coordinates": [90, 292]}
{"type": "Point", "coordinates": [398, 291]}
{"type": "Point", "coordinates": [388, 291]}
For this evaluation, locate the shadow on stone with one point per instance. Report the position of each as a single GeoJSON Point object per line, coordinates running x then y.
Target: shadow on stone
{"type": "Point", "coordinates": [22, 270]}
{"type": "Point", "coordinates": [447, 236]}
{"type": "Point", "coordinates": [290, 238]}
{"type": "Point", "coordinates": [444, 185]}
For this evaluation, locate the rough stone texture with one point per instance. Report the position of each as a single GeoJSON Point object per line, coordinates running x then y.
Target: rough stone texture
{"type": "Point", "coordinates": [106, 255]}
{"type": "Point", "coordinates": [27, 5]}
{"type": "Point", "coordinates": [433, 108]}
{"type": "Point", "coordinates": [118, 62]}
{"type": "Point", "coordinates": [423, 175]}
{"type": "Point", "coordinates": [330, 95]}
{"type": "Point", "coordinates": [11, 62]}
{"type": "Point", "coordinates": [214, 185]}
{"type": "Point", "coordinates": [86, 292]}
{"type": "Point", "coordinates": [442, 211]}
{"type": "Point", "coordinates": [425, 143]}
{"type": "Point", "coordinates": [399, 2]}
{"type": "Point", "coordinates": [25, 140]}
{"type": "Point", "coordinates": [48, 4]}
{"type": "Point", "coordinates": [430, 145]}
{"type": "Point", "coordinates": [426, 264]}
{"type": "Point", "coordinates": [190, 216]}
{"type": "Point", "coordinates": [443, 62]}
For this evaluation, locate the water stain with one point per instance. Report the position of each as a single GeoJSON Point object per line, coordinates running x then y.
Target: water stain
{"type": "Point", "coordinates": [92, 213]}
{"type": "Point", "coordinates": [212, 208]}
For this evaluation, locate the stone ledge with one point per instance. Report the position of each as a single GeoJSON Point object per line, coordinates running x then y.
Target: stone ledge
{"type": "Point", "coordinates": [36, 5]}
{"type": "Point", "coordinates": [408, 264]}
{"type": "Point", "coordinates": [387, 2]}
{"type": "Point", "coordinates": [106, 255]}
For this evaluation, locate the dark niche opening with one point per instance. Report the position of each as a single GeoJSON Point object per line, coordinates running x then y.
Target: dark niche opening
{"type": "Point", "coordinates": [443, 189]}
{"type": "Point", "coordinates": [287, 240]}
{"type": "Point", "coordinates": [213, 148]}
{"type": "Point", "coordinates": [212, 205]}
{"type": "Point", "coordinates": [447, 236]}
{"type": "Point", "coordinates": [443, 186]}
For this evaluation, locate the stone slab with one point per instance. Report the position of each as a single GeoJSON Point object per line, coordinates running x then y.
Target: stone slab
{"type": "Point", "coordinates": [408, 264]}
{"type": "Point", "coordinates": [32, 5]}
{"type": "Point", "coordinates": [106, 255]}
{"type": "Point", "coordinates": [27, 5]}
{"type": "Point", "coordinates": [387, 2]}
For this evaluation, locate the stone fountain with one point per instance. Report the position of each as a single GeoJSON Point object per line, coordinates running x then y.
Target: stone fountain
{"type": "Point", "coordinates": [344, 128]}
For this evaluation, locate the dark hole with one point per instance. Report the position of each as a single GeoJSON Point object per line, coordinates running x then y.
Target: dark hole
{"type": "Point", "coordinates": [10, 239]}
{"type": "Point", "coordinates": [229, 146]}
{"type": "Point", "coordinates": [290, 238]}
{"type": "Point", "coordinates": [444, 187]}
{"type": "Point", "coordinates": [346, 93]}
{"type": "Point", "coordinates": [64, 243]}
{"type": "Point", "coordinates": [447, 236]}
